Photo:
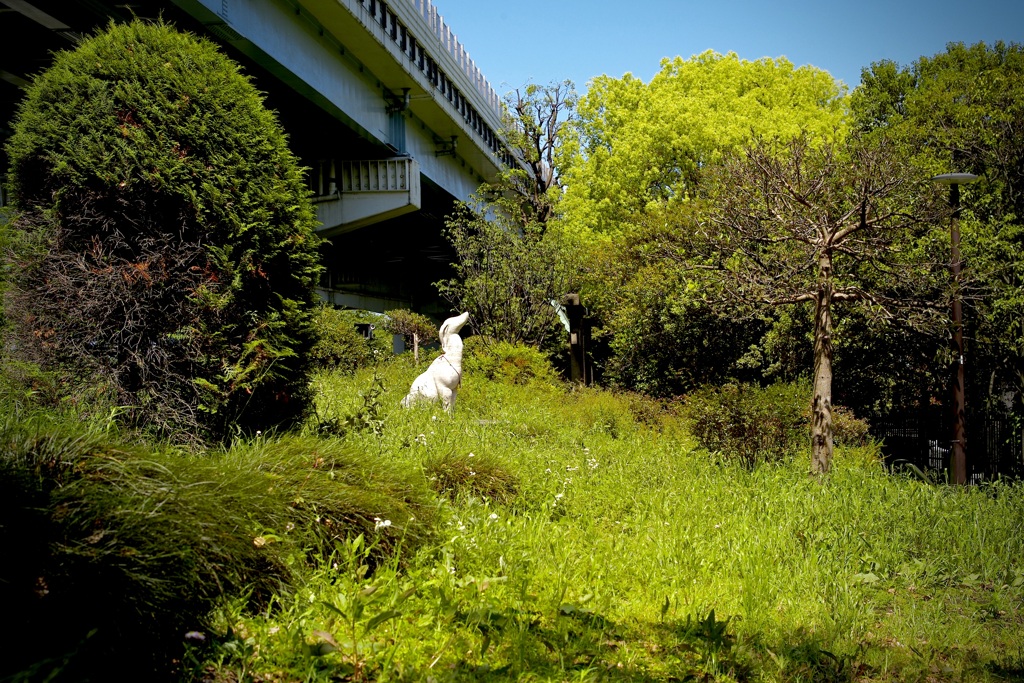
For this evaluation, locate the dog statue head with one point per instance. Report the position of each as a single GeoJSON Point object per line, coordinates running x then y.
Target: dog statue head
{"type": "Point", "coordinates": [449, 331]}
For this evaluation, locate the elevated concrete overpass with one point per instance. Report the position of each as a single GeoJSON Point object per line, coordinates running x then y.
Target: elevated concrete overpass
{"type": "Point", "coordinates": [380, 100]}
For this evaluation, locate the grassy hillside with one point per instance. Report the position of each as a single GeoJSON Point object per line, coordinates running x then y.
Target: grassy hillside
{"type": "Point", "coordinates": [582, 536]}
{"type": "Point", "coordinates": [541, 532]}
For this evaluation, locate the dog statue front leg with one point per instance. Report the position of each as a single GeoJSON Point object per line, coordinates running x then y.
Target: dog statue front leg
{"type": "Point", "coordinates": [447, 399]}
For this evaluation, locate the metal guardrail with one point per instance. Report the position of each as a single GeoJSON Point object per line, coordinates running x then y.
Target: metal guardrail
{"type": "Point", "coordinates": [386, 175]}
{"type": "Point", "coordinates": [995, 445]}
{"type": "Point", "coordinates": [331, 177]}
{"type": "Point", "coordinates": [456, 49]}
{"type": "Point", "coordinates": [463, 105]}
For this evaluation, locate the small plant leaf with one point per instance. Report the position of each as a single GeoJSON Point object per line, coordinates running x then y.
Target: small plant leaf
{"type": "Point", "coordinates": [334, 608]}
{"type": "Point", "coordinates": [868, 577]}
{"type": "Point", "coordinates": [378, 619]}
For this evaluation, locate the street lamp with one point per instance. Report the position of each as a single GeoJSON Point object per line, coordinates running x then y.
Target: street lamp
{"type": "Point", "coordinates": [959, 452]}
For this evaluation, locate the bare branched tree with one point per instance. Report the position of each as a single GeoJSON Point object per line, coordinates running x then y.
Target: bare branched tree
{"type": "Point", "coordinates": [826, 223]}
{"type": "Point", "coordinates": [537, 118]}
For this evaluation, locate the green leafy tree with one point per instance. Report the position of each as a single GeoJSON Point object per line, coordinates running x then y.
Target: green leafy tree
{"type": "Point", "coordinates": [826, 224]}
{"type": "Point", "coordinates": [507, 273]}
{"type": "Point", "coordinates": [509, 265]}
{"type": "Point", "coordinates": [638, 158]}
{"type": "Point", "coordinates": [638, 144]}
{"type": "Point", "coordinates": [665, 337]}
{"type": "Point", "coordinates": [174, 253]}
{"type": "Point", "coordinates": [963, 110]}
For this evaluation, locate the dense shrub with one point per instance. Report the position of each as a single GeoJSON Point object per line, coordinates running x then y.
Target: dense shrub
{"type": "Point", "coordinates": [506, 362]}
{"type": "Point", "coordinates": [172, 249]}
{"type": "Point", "coordinates": [121, 551]}
{"type": "Point", "coordinates": [749, 423]}
{"type": "Point", "coordinates": [752, 423]}
{"type": "Point", "coordinates": [339, 344]}
{"type": "Point", "coordinates": [847, 428]}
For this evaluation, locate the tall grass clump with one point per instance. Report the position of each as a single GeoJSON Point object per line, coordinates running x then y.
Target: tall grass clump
{"type": "Point", "coordinates": [629, 553]}
{"type": "Point", "coordinates": [122, 551]}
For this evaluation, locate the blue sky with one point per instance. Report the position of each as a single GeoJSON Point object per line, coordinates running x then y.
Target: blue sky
{"type": "Point", "coordinates": [547, 40]}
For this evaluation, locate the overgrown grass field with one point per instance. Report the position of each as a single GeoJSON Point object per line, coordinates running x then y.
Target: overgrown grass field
{"type": "Point", "coordinates": [582, 535]}
{"type": "Point", "coordinates": [542, 532]}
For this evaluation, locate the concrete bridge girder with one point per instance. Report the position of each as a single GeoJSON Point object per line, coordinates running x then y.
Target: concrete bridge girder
{"type": "Point", "coordinates": [322, 48]}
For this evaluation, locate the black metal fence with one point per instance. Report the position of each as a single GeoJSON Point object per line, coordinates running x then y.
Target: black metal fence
{"type": "Point", "coordinates": [994, 446]}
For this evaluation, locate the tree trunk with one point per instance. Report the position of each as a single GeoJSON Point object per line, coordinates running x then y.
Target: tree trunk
{"type": "Point", "coordinates": [821, 411]}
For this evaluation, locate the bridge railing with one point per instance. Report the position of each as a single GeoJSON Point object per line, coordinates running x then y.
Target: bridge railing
{"type": "Point", "coordinates": [330, 177]}
{"type": "Point", "coordinates": [445, 81]}
{"type": "Point", "coordinates": [385, 175]}
{"type": "Point", "coordinates": [456, 49]}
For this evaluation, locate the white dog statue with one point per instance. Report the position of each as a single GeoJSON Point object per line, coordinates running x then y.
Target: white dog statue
{"type": "Point", "coordinates": [442, 379]}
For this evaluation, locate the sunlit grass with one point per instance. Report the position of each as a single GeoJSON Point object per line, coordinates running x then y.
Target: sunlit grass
{"type": "Point", "coordinates": [624, 553]}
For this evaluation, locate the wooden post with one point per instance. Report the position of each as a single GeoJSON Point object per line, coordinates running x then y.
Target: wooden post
{"type": "Point", "coordinates": [577, 339]}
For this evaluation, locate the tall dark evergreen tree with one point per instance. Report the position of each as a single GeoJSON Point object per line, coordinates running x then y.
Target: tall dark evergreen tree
{"type": "Point", "coordinates": [173, 256]}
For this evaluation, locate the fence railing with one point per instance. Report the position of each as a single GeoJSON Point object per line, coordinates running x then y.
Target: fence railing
{"type": "Point", "coordinates": [329, 177]}
{"type": "Point", "coordinates": [451, 43]}
{"type": "Point", "coordinates": [466, 105]}
{"type": "Point", "coordinates": [994, 446]}
{"type": "Point", "coordinates": [385, 175]}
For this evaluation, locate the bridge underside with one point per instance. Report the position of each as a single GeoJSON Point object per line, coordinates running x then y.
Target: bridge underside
{"type": "Point", "coordinates": [384, 264]}
{"type": "Point", "coordinates": [384, 251]}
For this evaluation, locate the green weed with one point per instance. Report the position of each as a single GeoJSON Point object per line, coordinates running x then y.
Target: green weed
{"type": "Point", "coordinates": [628, 555]}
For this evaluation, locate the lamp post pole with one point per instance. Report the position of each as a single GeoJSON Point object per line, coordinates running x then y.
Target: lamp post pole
{"type": "Point", "coordinates": [958, 462]}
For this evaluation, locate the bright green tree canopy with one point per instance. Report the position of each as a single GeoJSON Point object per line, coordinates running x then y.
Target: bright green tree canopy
{"type": "Point", "coordinates": [640, 143]}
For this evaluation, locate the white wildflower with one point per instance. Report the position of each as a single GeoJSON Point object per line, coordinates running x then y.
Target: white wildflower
{"type": "Point", "coordinates": [379, 523]}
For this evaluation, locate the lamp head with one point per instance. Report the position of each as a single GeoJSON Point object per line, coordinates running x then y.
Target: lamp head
{"type": "Point", "coordinates": [954, 178]}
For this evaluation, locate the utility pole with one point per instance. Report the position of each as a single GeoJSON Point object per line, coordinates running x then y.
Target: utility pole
{"type": "Point", "coordinates": [958, 463]}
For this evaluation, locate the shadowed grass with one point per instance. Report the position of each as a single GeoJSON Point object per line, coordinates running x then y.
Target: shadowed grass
{"type": "Point", "coordinates": [121, 551]}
